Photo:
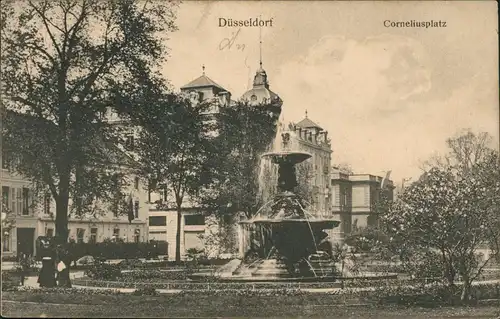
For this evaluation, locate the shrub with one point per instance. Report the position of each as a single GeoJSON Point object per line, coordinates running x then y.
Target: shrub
{"type": "Point", "coordinates": [119, 250]}
{"type": "Point", "coordinates": [104, 271]}
{"type": "Point", "coordinates": [10, 281]}
{"type": "Point", "coordinates": [145, 291]}
{"type": "Point", "coordinates": [131, 264]}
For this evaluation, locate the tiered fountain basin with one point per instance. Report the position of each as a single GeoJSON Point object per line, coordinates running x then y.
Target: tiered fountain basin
{"type": "Point", "coordinates": [293, 157]}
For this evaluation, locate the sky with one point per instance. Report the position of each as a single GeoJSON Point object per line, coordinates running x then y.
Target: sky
{"type": "Point", "coordinates": [389, 97]}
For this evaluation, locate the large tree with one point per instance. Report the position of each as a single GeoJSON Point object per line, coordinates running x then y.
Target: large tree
{"type": "Point", "coordinates": [62, 62]}
{"type": "Point", "coordinates": [174, 147]}
{"type": "Point", "coordinates": [244, 132]}
{"type": "Point", "coordinates": [449, 216]}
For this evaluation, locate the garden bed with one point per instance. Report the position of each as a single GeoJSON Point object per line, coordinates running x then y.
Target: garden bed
{"type": "Point", "coordinates": [407, 296]}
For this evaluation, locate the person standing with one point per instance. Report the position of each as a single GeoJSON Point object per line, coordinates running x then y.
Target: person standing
{"type": "Point", "coordinates": [47, 273]}
{"type": "Point", "coordinates": [24, 267]}
{"type": "Point", "coordinates": [63, 263]}
{"type": "Point", "coordinates": [46, 277]}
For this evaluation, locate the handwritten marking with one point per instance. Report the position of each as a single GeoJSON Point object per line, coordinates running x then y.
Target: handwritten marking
{"type": "Point", "coordinates": [227, 43]}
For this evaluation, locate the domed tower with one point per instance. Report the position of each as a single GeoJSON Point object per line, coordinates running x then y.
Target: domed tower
{"type": "Point", "coordinates": [260, 94]}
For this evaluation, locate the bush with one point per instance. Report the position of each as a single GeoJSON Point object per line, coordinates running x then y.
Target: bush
{"type": "Point", "coordinates": [104, 271]}
{"type": "Point", "coordinates": [119, 250]}
{"type": "Point", "coordinates": [10, 281]}
{"type": "Point", "coordinates": [131, 264]}
{"type": "Point", "coordinates": [146, 291]}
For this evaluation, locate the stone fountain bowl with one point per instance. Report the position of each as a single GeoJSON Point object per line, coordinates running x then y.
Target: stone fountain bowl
{"type": "Point", "coordinates": [291, 156]}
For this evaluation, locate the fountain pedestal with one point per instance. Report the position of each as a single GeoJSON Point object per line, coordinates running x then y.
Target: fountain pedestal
{"type": "Point", "coordinates": [271, 268]}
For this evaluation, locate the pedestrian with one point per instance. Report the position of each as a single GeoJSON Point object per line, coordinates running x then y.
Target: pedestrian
{"type": "Point", "coordinates": [47, 273]}
{"type": "Point", "coordinates": [46, 277]}
{"type": "Point", "coordinates": [63, 263]}
{"type": "Point", "coordinates": [24, 267]}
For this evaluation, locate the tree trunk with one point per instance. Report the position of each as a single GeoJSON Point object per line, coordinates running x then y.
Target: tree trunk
{"type": "Point", "coordinates": [62, 237]}
{"type": "Point", "coordinates": [62, 218]}
{"type": "Point", "coordinates": [466, 290]}
{"type": "Point", "coordinates": [178, 235]}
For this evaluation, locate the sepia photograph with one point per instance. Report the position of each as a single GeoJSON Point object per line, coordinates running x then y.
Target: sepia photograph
{"type": "Point", "coordinates": [253, 159]}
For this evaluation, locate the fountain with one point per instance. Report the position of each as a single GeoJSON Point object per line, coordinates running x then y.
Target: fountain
{"type": "Point", "coordinates": [285, 242]}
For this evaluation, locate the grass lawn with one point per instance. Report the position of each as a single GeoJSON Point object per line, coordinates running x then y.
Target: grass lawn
{"type": "Point", "coordinates": [125, 306]}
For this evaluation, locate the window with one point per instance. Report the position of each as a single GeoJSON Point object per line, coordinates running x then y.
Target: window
{"type": "Point", "coordinates": [116, 233]}
{"type": "Point", "coordinates": [5, 195]}
{"type": "Point", "coordinates": [136, 209]}
{"type": "Point", "coordinates": [6, 241]}
{"type": "Point", "coordinates": [49, 232]}
{"type": "Point", "coordinates": [164, 193]}
{"type": "Point", "coordinates": [93, 235]}
{"type": "Point", "coordinates": [194, 220]}
{"type": "Point", "coordinates": [157, 221]}
{"type": "Point", "coordinates": [136, 183]}
{"type": "Point", "coordinates": [80, 232]}
{"type": "Point", "coordinates": [19, 202]}
{"type": "Point", "coordinates": [46, 204]}
{"type": "Point", "coordinates": [137, 235]}
{"type": "Point", "coordinates": [26, 201]}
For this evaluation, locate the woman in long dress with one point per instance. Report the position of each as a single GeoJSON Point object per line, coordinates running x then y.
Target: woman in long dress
{"type": "Point", "coordinates": [47, 273]}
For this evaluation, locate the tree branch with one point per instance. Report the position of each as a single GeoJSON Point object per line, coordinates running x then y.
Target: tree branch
{"type": "Point", "coordinates": [45, 22]}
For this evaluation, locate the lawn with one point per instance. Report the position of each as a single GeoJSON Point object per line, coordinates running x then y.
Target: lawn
{"type": "Point", "coordinates": [125, 306]}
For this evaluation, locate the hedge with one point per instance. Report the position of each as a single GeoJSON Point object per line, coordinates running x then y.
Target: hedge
{"type": "Point", "coordinates": [120, 250]}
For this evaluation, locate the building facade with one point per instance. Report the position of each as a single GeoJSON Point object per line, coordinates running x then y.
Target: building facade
{"type": "Point", "coordinates": [311, 138]}
{"type": "Point", "coordinates": [33, 215]}
{"type": "Point", "coordinates": [354, 199]}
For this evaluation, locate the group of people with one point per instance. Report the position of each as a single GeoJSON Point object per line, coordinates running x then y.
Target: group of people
{"type": "Point", "coordinates": [55, 268]}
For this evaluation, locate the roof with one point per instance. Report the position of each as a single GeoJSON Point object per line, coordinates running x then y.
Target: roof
{"type": "Point", "coordinates": [262, 95]}
{"type": "Point", "coordinates": [202, 81]}
{"type": "Point", "coordinates": [307, 123]}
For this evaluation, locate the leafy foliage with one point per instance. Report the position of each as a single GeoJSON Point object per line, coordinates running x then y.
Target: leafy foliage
{"type": "Point", "coordinates": [174, 147]}
{"type": "Point", "coordinates": [62, 63]}
{"type": "Point", "coordinates": [447, 216]}
{"type": "Point", "coordinates": [104, 271]}
{"type": "Point", "coordinates": [244, 133]}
